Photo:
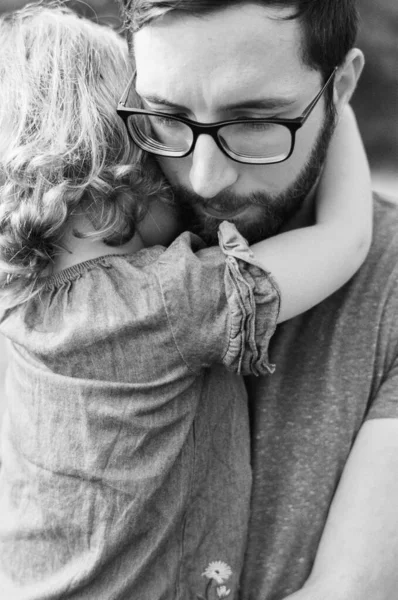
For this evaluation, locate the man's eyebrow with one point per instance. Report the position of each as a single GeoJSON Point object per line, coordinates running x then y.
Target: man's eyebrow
{"type": "Point", "coordinates": [261, 103]}
{"type": "Point", "coordinates": [159, 100]}
{"type": "Point", "coordinates": [265, 103]}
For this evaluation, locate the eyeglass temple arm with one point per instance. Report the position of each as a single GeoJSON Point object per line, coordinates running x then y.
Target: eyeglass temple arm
{"type": "Point", "coordinates": [319, 95]}
{"type": "Point", "coordinates": [125, 95]}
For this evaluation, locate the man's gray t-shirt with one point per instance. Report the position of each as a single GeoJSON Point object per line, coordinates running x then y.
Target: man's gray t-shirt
{"type": "Point", "coordinates": [336, 366]}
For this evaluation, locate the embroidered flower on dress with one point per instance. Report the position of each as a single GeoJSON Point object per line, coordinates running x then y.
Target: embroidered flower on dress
{"type": "Point", "coordinates": [223, 592]}
{"type": "Point", "coordinates": [219, 571]}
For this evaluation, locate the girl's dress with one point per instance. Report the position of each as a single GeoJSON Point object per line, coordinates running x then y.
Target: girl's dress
{"type": "Point", "coordinates": [125, 457]}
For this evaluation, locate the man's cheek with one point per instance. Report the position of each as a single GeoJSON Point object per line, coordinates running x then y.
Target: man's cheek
{"type": "Point", "coordinates": [176, 170]}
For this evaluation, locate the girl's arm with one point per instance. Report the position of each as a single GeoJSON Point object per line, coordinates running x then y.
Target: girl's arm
{"type": "Point", "coordinates": [311, 263]}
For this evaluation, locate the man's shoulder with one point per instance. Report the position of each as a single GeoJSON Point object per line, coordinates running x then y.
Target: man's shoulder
{"type": "Point", "coordinates": [376, 282]}
{"type": "Point", "coordinates": [372, 292]}
{"type": "Point", "coordinates": [385, 229]}
{"type": "Point", "coordinates": [385, 233]}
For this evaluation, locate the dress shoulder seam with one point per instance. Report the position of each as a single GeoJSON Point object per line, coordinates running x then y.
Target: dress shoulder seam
{"type": "Point", "coordinates": [76, 271]}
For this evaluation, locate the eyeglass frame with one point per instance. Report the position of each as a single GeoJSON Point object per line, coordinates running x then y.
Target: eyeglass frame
{"type": "Point", "coordinates": [212, 129]}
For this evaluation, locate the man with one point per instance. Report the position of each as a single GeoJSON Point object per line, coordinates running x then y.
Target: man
{"type": "Point", "coordinates": [324, 523]}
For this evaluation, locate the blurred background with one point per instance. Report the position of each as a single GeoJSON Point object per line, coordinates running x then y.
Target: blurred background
{"type": "Point", "coordinates": [375, 101]}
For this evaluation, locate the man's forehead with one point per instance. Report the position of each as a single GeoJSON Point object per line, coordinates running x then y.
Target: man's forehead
{"type": "Point", "coordinates": [242, 27]}
{"type": "Point", "coordinates": [243, 46]}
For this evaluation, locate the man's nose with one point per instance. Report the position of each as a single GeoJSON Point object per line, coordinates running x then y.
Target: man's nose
{"type": "Point", "coordinates": [212, 171]}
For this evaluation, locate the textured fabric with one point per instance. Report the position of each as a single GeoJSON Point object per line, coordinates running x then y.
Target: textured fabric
{"type": "Point", "coordinates": [336, 367]}
{"type": "Point", "coordinates": [125, 459]}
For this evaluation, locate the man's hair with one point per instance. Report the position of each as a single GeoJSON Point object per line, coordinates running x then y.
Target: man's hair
{"type": "Point", "coordinates": [329, 26]}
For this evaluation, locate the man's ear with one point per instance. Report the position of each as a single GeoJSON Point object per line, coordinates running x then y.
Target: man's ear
{"type": "Point", "coordinates": [347, 77]}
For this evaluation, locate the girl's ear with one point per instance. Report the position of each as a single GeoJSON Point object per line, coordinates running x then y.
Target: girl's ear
{"type": "Point", "coordinates": [347, 77]}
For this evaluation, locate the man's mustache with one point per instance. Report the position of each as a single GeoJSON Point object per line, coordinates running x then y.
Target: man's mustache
{"type": "Point", "coordinates": [223, 201]}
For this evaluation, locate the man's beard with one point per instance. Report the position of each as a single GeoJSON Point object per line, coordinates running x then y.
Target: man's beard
{"type": "Point", "coordinates": [273, 210]}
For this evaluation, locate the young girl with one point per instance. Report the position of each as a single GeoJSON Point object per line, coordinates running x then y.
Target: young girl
{"type": "Point", "coordinates": [125, 446]}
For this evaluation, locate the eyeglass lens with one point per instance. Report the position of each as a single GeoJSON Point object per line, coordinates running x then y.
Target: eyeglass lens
{"type": "Point", "coordinates": [256, 140]}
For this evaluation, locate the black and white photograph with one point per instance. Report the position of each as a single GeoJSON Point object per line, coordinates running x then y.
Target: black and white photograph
{"type": "Point", "coordinates": [198, 300]}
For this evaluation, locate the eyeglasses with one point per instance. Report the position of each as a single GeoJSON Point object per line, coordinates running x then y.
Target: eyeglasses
{"type": "Point", "coordinates": [251, 141]}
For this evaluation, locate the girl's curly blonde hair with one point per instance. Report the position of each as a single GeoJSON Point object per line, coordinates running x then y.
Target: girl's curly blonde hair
{"type": "Point", "coordinates": [63, 148]}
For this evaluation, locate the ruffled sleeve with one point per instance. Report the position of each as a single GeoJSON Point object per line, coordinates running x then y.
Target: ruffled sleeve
{"type": "Point", "coordinates": [221, 305]}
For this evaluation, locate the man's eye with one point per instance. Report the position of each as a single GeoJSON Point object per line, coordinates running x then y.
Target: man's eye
{"type": "Point", "coordinates": [257, 126]}
{"type": "Point", "coordinates": [165, 122]}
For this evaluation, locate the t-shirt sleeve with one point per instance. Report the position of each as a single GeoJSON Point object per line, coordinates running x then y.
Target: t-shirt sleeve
{"type": "Point", "coordinates": [222, 306]}
{"type": "Point", "coordinates": [385, 404]}
{"type": "Point", "coordinates": [383, 401]}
